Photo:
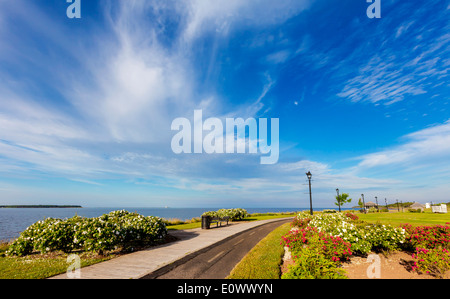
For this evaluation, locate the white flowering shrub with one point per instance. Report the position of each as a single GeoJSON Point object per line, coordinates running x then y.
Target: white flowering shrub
{"type": "Point", "coordinates": [363, 236]}
{"type": "Point", "coordinates": [234, 214]}
{"type": "Point", "coordinates": [118, 229]}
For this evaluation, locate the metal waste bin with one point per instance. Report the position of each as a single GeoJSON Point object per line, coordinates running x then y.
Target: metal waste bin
{"type": "Point", "coordinates": [206, 222]}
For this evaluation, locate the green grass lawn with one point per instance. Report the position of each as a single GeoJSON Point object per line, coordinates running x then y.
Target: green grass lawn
{"type": "Point", "coordinates": [39, 266]}
{"type": "Point", "coordinates": [252, 217]}
{"type": "Point", "coordinates": [397, 218]}
{"type": "Point", "coordinates": [264, 260]}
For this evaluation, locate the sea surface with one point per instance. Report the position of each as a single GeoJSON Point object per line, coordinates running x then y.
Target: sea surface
{"type": "Point", "coordinates": [15, 220]}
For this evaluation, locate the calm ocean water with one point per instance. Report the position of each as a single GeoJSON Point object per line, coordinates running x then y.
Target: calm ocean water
{"type": "Point", "coordinates": [15, 220]}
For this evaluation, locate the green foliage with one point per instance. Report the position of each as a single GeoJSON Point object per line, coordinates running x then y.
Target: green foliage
{"type": "Point", "coordinates": [118, 229]}
{"type": "Point", "coordinates": [435, 261]}
{"type": "Point", "coordinates": [342, 199]}
{"type": "Point", "coordinates": [320, 242]}
{"type": "Point", "coordinates": [234, 214]}
{"type": "Point", "coordinates": [312, 264]}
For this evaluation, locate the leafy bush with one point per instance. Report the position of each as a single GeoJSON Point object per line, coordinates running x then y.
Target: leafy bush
{"type": "Point", "coordinates": [351, 216]}
{"type": "Point", "coordinates": [234, 214]}
{"type": "Point", "coordinates": [110, 231]}
{"type": "Point", "coordinates": [428, 236]}
{"type": "Point", "coordinates": [332, 247]}
{"type": "Point", "coordinates": [325, 239]}
{"type": "Point", "coordinates": [431, 245]}
{"type": "Point", "coordinates": [363, 237]}
{"type": "Point", "coordinates": [311, 264]}
{"type": "Point", "coordinates": [434, 261]}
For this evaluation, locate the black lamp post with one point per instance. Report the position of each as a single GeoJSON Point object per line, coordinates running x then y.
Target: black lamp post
{"type": "Point", "coordinates": [309, 175]}
{"type": "Point", "coordinates": [338, 199]}
{"type": "Point", "coordinates": [398, 207]}
{"type": "Point", "coordinates": [385, 200]}
{"type": "Point", "coordinates": [364, 203]}
{"type": "Point", "coordinates": [376, 200]}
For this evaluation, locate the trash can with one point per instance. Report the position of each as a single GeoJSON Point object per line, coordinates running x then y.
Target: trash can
{"type": "Point", "coordinates": [206, 222]}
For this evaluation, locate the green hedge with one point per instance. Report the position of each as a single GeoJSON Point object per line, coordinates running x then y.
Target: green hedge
{"type": "Point", "coordinates": [118, 229]}
{"type": "Point", "coordinates": [234, 214]}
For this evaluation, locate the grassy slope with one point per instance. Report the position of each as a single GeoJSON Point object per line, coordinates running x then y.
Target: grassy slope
{"type": "Point", "coordinates": [395, 218]}
{"type": "Point", "coordinates": [264, 260]}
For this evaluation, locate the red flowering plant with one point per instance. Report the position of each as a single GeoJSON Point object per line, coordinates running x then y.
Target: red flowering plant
{"type": "Point", "coordinates": [431, 245]}
{"type": "Point", "coordinates": [434, 261]}
{"type": "Point", "coordinates": [428, 237]}
{"type": "Point", "coordinates": [331, 247]}
{"type": "Point", "coordinates": [301, 220]}
{"type": "Point", "coordinates": [352, 216]}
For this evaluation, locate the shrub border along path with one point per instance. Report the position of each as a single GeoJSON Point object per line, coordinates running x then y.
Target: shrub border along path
{"type": "Point", "coordinates": [38, 266]}
{"type": "Point", "coordinates": [397, 260]}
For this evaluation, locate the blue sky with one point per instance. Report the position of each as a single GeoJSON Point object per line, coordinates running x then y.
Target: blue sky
{"type": "Point", "coordinates": [86, 104]}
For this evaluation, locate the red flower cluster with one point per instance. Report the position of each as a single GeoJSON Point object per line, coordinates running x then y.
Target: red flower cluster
{"type": "Point", "coordinates": [431, 261]}
{"type": "Point", "coordinates": [431, 244]}
{"type": "Point", "coordinates": [351, 216]}
{"type": "Point", "coordinates": [334, 248]}
{"type": "Point", "coordinates": [302, 222]}
{"type": "Point", "coordinates": [428, 236]}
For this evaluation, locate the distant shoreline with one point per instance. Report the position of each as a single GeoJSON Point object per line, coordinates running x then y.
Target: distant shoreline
{"type": "Point", "coordinates": [40, 206]}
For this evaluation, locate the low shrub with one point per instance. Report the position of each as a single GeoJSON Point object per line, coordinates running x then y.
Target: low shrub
{"type": "Point", "coordinates": [431, 245]}
{"type": "Point", "coordinates": [311, 264]}
{"type": "Point", "coordinates": [428, 236]}
{"type": "Point", "coordinates": [118, 229]}
{"type": "Point", "coordinates": [434, 261]}
{"type": "Point", "coordinates": [326, 239]}
{"type": "Point", "coordinates": [351, 216]}
{"type": "Point", "coordinates": [332, 247]}
{"type": "Point", "coordinates": [362, 236]}
{"type": "Point", "coordinates": [234, 214]}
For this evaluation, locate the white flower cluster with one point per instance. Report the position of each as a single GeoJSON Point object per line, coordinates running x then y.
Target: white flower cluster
{"type": "Point", "coordinates": [234, 214]}
{"type": "Point", "coordinates": [363, 236]}
{"type": "Point", "coordinates": [109, 231]}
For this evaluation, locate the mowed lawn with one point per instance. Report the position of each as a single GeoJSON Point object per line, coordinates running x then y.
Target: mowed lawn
{"type": "Point", "coordinates": [415, 219]}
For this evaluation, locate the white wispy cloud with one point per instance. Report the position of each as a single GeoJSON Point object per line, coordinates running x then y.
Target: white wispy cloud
{"type": "Point", "coordinates": [423, 156]}
{"type": "Point", "coordinates": [403, 65]}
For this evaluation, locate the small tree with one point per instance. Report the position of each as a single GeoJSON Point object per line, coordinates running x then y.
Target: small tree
{"type": "Point", "coordinates": [341, 199]}
{"type": "Point", "coordinates": [360, 203]}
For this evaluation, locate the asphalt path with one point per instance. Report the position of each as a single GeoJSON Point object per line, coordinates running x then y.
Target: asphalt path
{"type": "Point", "coordinates": [216, 261]}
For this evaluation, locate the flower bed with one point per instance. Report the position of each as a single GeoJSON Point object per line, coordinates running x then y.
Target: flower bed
{"type": "Point", "coordinates": [334, 237]}
{"type": "Point", "coordinates": [328, 238]}
{"type": "Point", "coordinates": [118, 229]}
{"type": "Point", "coordinates": [431, 245]}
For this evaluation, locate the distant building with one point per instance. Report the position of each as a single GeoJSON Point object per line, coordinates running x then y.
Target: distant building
{"type": "Point", "coordinates": [427, 205]}
{"type": "Point", "coordinates": [417, 205]}
{"type": "Point", "coordinates": [370, 204]}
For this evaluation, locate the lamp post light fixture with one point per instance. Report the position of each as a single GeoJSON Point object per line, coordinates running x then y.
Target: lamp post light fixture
{"type": "Point", "coordinates": [376, 200]}
{"type": "Point", "coordinates": [309, 175]}
{"type": "Point", "coordinates": [338, 199]}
